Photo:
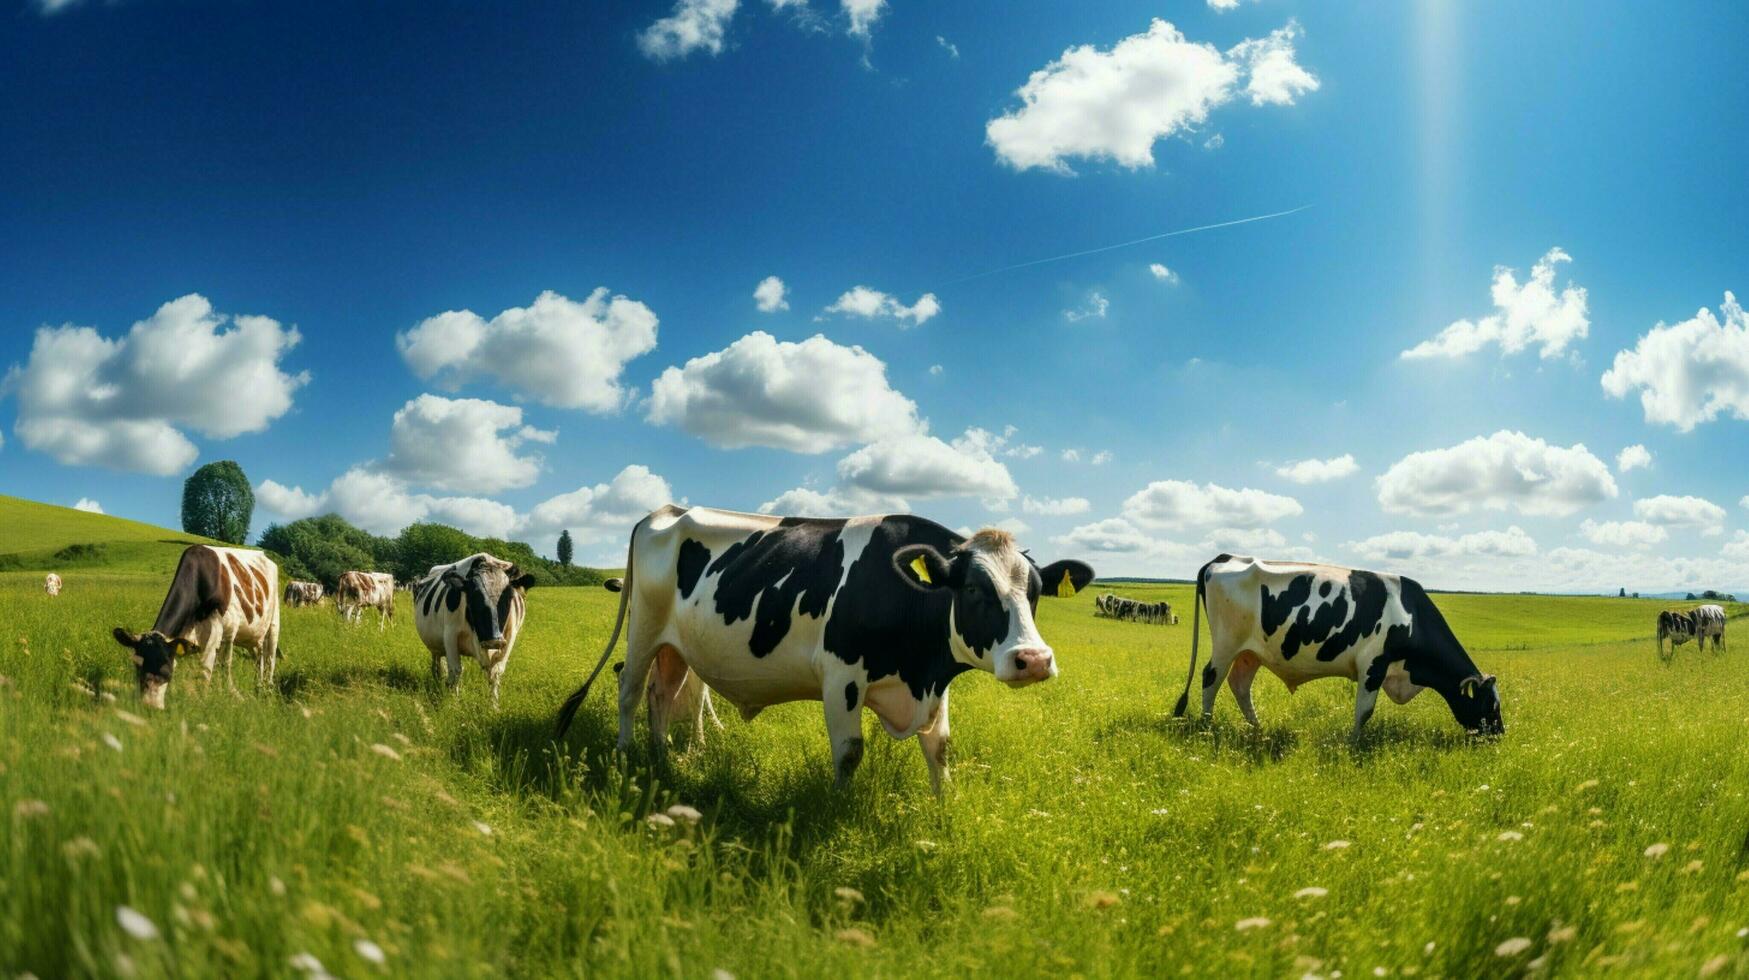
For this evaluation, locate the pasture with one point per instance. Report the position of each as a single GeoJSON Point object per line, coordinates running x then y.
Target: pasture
{"type": "Point", "coordinates": [360, 816]}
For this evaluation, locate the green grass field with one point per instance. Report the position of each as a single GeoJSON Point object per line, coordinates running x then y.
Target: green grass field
{"type": "Point", "coordinates": [358, 812]}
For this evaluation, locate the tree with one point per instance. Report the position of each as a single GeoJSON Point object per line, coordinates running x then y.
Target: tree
{"type": "Point", "coordinates": [218, 503]}
{"type": "Point", "coordinates": [565, 548]}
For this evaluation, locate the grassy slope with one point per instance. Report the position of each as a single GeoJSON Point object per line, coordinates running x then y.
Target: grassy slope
{"type": "Point", "coordinates": [1086, 831]}
{"type": "Point", "coordinates": [31, 534]}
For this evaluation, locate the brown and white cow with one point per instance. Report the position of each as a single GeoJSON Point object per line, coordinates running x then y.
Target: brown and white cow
{"type": "Point", "coordinates": [52, 584]}
{"type": "Point", "coordinates": [219, 599]}
{"type": "Point", "coordinates": [303, 594]}
{"type": "Point", "coordinates": [359, 590]}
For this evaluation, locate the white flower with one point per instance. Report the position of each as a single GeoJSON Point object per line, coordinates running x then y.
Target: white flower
{"type": "Point", "coordinates": [1255, 922]}
{"type": "Point", "coordinates": [484, 828]}
{"type": "Point", "coordinates": [1336, 845]}
{"type": "Point", "coordinates": [135, 924]}
{"type": "Point", "coordinates": [112, 741]}
{"type": "Point", "coordinates": [369, 951]}
{"type": "Point", "coordinates": [1311, 891]}
{"type": "Point", "coordinates": [681, 811]}
{"type": "Point", "coordinates": [1657, 850]}
{"type": "Point", "coordinates": [1512, 947]}
{"type": "Point", "coordinates": [385, 751]}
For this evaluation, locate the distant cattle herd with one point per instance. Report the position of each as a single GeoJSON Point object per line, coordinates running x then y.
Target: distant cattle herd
{"type": "Point", "coordinates": [878, 613]}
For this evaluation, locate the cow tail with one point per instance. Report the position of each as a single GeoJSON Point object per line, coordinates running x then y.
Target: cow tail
{"type": "Point", "coordinates": [1196, 605]}
{"type": "Point", "coordinates": [568, 710]}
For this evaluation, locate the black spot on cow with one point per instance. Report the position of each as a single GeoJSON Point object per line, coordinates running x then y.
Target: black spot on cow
{"type": "Point", "coordinates": [690, 565]}
{"type": "Point", "coordinates": [1324, 590]}
{"type": "Point", "coordinates": [887, 625]}
{"type": "Point", "coordinates": [980, 617]}
{"type": "Point", "coordinates": [800, 559]}
{"type": "Point", "coordinates": [1328, 623]}
{"type": "Point", "coordinates": [1277, 608]}
{"type": "Point", "coordinates": [850, 696]}
{"type": "Point", "coordinates": [1434, 658]}
{"type": "Point", "coordinates": [1208, 675]}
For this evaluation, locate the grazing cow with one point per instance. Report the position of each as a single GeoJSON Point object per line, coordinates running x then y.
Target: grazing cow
{"type": "Point", "coordinates": [52, 584]}
{"type": "Point", "coordinates": [1696, 624]}
{"type": "Point", "coordinates": [303, 594]}
{"type": "Point", "coordinates": [219, 599]}
{"type": "Point", "coordinates": [474, 606]}
{"type": "Point", "coordinates": [1306, 621]}
{"type": "Point", "coordinates": [878, 612]}
{"type": "Point", "coordinates": [358, 590]}
{"type": "Point", "coordinates": [1133, 610]}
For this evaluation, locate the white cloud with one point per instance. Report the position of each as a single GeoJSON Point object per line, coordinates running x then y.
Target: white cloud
{"type": "Point", "coordinates": [555, 351]}
{"type": "Point", "coordinates": [383, 504]}
{"type": "Point", "coordinates": [695, 25]}
{"type": "Point", "coordinates": [836, 502]}
{"type": "Point", "coordinates": [604, 512]}
{"type": "Point", "coordinates": [1691, 372]}
{"type": "Point", "coordinates": [1096, 306]}
{"type": "Point", "coordinates": [1101, 458]}
{"type": "Point", "coordinates": [1623, 534]}
{"type": "Point", "coordinates": [763, 392]}
{"type": "Point", "coordinates": [1055, 507]}
{"type": "Point", "coordinates": [1497, 472]}
{"type": "Point", "coordinates": [920, 465]}
{"type": "Point", "coordinates": [1634, 457]}
{"type": "Point", "coordinates": [861, 301]}
{"type": "Point", "coordinates": [952, 50]}
{"type": "Point", "coordinates": [87, 400]}
{"type": "Point", "coordinates": [1531, 313]}
{"type": "Point", "coordinates": [1737, 547]}
{"type": "Point", "coordinates": [88, 505]}
{"type": "Point", "coordinates": [1114, 535]}
{"type": "Point", "coordinates": [1178, 504]}
{"type": "Point", "coordinates": [1118, 546]}
{"type": "Point", "coordinates": [935, 370]}
{"type": "Point", "coordinates": [863, 14]}
{"type": "Point", "coordinates": [1162, 273]}
{"type": "Point", "coordinates": [1223, 5]}
{"type": "Point", "coordinates": [769, 295]}
{"type": "Point", "coordinates": [1319, 470]}
{"type": "Point", "coordinates": [1114, 105]}
{"type": "Point", "coordinates": [1071, 455]}
{"type": "Point", "coordinates": [54, 6]}
{"type": "Point", "coordinates": [288, 503]}
{"type": "Point", "coordinates": [462, 444]}
{"type": "Point", "coordinates": [1671, 511]}
{"type": "Point", "coordinates": [1400, 545]}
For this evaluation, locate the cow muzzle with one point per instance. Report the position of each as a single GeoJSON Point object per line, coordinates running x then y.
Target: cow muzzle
{"type": "Point", "coordinates": [495, 643]}
{"type": "Point", "coordinates": [153, 693]}
{"type": "Point", "coordinates": [1031, 665]}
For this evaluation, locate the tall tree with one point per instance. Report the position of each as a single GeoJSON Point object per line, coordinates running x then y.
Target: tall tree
{"type": "Point", "coordinates": [218, 503]}
{"type": "Point", "coordinates": [565, 548]}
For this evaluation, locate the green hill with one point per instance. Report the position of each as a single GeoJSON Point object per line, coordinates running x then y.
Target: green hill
{"type": "Point", "coordinates": [43, 537]}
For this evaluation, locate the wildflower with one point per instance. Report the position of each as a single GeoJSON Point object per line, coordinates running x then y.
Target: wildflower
{"type": "Point", "coordinates": [660, 821]}
{"type": "Point", "coordinates": [1509, 835]}
{"type": "Point", "coordinates": [1311, 891]}
{"type": "Point", "coordinates": [854, 937]}
{"type": "Point", "coordinates": [276, 886]}
{"type": "Point", "coordinates": [1512, 947]}
{"type": "Point", "coordinates": [485, 829]}
{"type": "Point", "coordinates": [130, 718]}
{"type": "Point", "coordinates": [1657, 850]}
{"type": "Point", "coordinates": [1694, 867]}
{"type": "Point", "coordinates": [369, 952]}
{"type": "Point", "coordinates": [1255, 922]}
{"type": "Point", "coordinates": [305, 963]}
{"type": "Point", "coordinates": [1336, 845]}
{"type": "Point", "coordinates": [848, 895]}
{"type": "Point", "coordinates": [681, 811]}
{"type": "Point", "coordinates": [25, 809]}
{"type": "Point", "coordinates": [80, 847]}
{"type": "Point", "coordinates": [385, 751]}
{"type": "Point", "coordinates": [721, 974]}
{"type": "Point", "coordinates": [112, 741]}
{"type": "Point", "coordinates": [1714, 965]}
{"type": "Point", "coordinates": [135, 924]}
{"type": "Point", "coordinates": [926, 845]}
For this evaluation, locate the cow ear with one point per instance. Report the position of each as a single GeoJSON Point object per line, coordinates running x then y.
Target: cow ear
{"type": "Point", "coordinates": [125, 638]}
{"type": "Point", "coordinates": [454, 580]}
{"type": "Point", "coordinates": [524, 582]}
{"type": "Point", "coordinates": [1063, 579]}
{"type": "Point", "coordinates": [1470, 685]}
{"type": "Point", "coordinates": [922, 567]}
{"type": "Point", "coordinates": [1488, 680]}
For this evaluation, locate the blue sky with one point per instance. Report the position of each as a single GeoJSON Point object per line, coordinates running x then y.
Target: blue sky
{"type": "Point", "coordinates": [400, 183]}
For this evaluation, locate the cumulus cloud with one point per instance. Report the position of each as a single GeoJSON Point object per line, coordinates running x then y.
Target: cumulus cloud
{"type": "Point", "coordinates": [87, 400]}
{"type": "Point", "coordinates": [288, 503]}
{"type": "Point", "coordinates": [1671, 511]}
{"type": "Point", "coordinates": [1101, 458]}
{"type": "Point", "coordinates": [1319, 470]}
{"type": "Point", "coordinates": [769, 295]}
{"type": "Point", "coordinates": [1507, 470]}
{"type": "Point", "coordinates": [1401, 545]}
{"type": "Point", "coordinates": [1055, 507]}
{"type": "Point", "coordinates": [604, 512]}
{"type": "Point", "coordinates": [1162, 273]}
{"type": "Point", "coordinates": [920, 465]}
{"type": "Point", "coordinates": [841, 501]}
{"type": "Point", "coordinates": [556, 351]}
{"type": "Point", "coordinates": [1691, 372]}
{"type": "Point", "coordinates": [1623, 534]}
{"type": "Point", "coordinates": [383, 504]}
{"type": "Point", "coordinates": [88, 505]}
{"type": "Point", "coordinates": [1178, 504]}
{"type": "Point", "coordinates": [462, 444]}
{"type": "Point", "coordinates": [870, 304]}
{"type": "Point", "coordinates": [760, 391]}
{"type": "Point", "coordinates": [862, 15]}
{"type": "Point", "coordinates": [1096, 306]}
{"type": "Point", "coordinates": [1114, 105]}
{"type": "Point", "coordinates": [1737, 547]}
{"type": "Point", "coordinates": [1525, 314]}
{"type": "Point", "coordinates": [695, 25]}
{"type": "Point", "coordinates": [1634, 457]}
{"type": "Point", "coordinates": [1118, 546]}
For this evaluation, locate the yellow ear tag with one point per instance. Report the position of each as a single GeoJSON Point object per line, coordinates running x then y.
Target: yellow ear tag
{"type": "Point", "coordinates": [921, 567]}
{"type": "Point", "coordinates": [1065, 588]}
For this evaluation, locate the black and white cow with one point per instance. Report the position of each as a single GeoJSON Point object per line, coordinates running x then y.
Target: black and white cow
{"type": "Point", "coordinates": [1306, 621]}
{"type": "Point", "coordinates": [1696, 624]}
{"type": "Point", "coordinates": [878, 612]}
{"type": "Point", "coordinates": [472, 607]}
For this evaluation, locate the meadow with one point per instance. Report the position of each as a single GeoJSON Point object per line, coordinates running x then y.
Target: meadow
{"type": "Point", "coordinates": [359, 819]}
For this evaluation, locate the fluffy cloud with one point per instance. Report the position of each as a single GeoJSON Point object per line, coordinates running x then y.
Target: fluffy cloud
{"type": "Point", "coordinates": [862, 15]}
{"type": "Point", "coordinates": [463, 444]}
{"type": "Point", "coordinates": [870, 304]}
{"type": "Point", "coordinates": [382, 504]}
{"type": "Point", "coordinates": [695, 25]}
{"type": "Point", "coordinates": [1162, 273]}
{"type": "Point", "coordinates": [288, 503]}
{"type": "Point", "coordinates": [1672, 511]}
{"type": "Point", "coordinates": [1096, 306]}
{"type": "Point", "coordinates": [1623, 534]}
{"type": "Point", "coordinates": [1319, 470]}
{"type": "Point", "coordinates": [1401, 545]}
{"type": "Point", "coordinates": [1689, 373]}
{"type": "Point", "coordinates": [1114, 105]}
{"type": "Point", "coordinates": [1737, 547]}
{"type": "Point", "coordinates": [1118, 546]}
{"type": "Point", "coordinates": [1055, 507]}
{"type": "Point", "coordinates": [1497, 472]}
{"type": "Point", "coordinates": [1531, 313]}
{"type": "Point", "coordinates": [87, 400]}
{"type": "Point", "coordinates": [1634, 457]}
{"type": "Point", "coordinates": [88, 505]}
{"type": "Point", "coordinates": [604, 512]}
{"type": "Point", "coordinates": [920, 465]}
{"type": "Point", "coordinates": [555, 351]}
{"type": "Point", "coordinates": [769, 295]}
{"type": "Point", "coordinates": [1178, 504]}
{"type": "Point", "coordinates": [763, 392]}
{"type": "Point", "coordinates": [835, 502]}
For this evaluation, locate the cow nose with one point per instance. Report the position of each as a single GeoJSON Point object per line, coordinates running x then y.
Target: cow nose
{"type": "Point", "coordinates": [1033, 663]}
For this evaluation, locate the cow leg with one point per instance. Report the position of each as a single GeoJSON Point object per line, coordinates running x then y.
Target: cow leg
{"type": "Point", "coordinates": [436, 668]}
{"type": "Point", "coordinates": [668, 680]}
{"type": "Point", "coordinates": [494, 676]}
{"type": "Point", "coordinates": [1366, 698]}
{"type": "Point", "coordinates": [844, 725]}
{"type": "Point", "coordinates": [452, 656]}
{"type": "Point", "coordinates": [1243, 670]}
{"type": "Point", "coordinates": [934, 741]}
{"type": "Point", "coordinates": [267, 657]}
{"type": "Point", "coordinates": [1220, 661]}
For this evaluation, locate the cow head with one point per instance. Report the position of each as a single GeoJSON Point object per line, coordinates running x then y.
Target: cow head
{"type": "Point", "coordinates": [487, 586]}
{"type": "Point", "coordinates": [154, 656]}
{"type": "Point", "coordinates": [995, 590]}
{"type": "Point", "coordinates": [1477, 705]}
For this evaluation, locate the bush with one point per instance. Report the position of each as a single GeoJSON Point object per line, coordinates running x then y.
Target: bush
{"type": "Point", "coordinates": [319, 549]}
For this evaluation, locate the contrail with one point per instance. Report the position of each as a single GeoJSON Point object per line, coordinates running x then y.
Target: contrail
{"type": "Point", "coordinates": [1139, 241]}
